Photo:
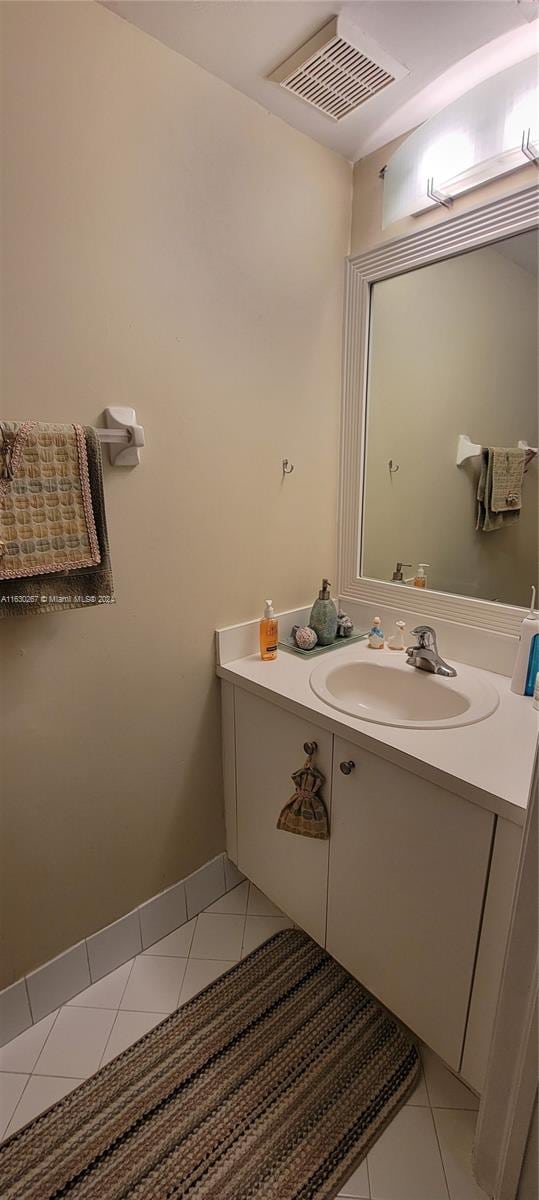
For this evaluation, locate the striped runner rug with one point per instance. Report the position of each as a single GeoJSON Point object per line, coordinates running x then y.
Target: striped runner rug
{"type": "Point", "coordinates": [273, 1083]}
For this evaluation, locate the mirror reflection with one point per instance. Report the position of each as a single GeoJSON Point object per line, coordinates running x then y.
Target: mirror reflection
{"type": "Point", "coordinates": [453, 375]}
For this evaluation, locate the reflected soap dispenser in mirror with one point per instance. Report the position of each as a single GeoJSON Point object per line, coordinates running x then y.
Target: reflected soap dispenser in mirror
{"type": "Point", "coordinates": [324, 618]}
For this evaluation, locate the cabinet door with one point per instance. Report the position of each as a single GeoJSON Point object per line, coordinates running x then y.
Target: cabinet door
{"type": "Point", "coordinates": [408, 867]}
{"type": "Point", "coordinates": [291, 870]}
{"type": "Point", "coordinates": [494, 932]}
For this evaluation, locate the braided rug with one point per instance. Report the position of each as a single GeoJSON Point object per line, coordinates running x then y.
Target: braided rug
{"type": "Point", "coordinates": [273, 1083]}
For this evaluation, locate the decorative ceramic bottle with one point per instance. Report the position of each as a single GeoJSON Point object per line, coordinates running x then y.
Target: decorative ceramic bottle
{"type": "Point", "coordinates": [395, 641]}
{"type": "Point", "coordinates": [421, 579]}
{"type": "Point", "coordinates": [376, 635]}
{"type": "Point", "coordinates": [323, 618]}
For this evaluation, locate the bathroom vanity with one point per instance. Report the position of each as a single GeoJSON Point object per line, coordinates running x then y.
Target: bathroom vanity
{"type": "Point", "coordinates": [412, 892]}
{"type": "Point", "coordinates": [427, 779]}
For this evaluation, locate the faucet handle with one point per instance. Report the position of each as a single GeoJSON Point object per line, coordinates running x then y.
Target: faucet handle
{"type": "Point", "coordinates": [426, 637]}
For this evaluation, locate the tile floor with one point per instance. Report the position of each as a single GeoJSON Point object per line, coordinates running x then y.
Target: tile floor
{"type": "Point", "coordinates": [423, 1155]}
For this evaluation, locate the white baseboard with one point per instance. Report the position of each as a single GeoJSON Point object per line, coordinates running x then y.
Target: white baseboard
{"type": "Point", "coordinates": [31, 998]}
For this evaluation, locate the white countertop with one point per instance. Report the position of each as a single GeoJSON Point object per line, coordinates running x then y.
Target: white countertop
{"type": "Point", "coordinates": [489, 763]}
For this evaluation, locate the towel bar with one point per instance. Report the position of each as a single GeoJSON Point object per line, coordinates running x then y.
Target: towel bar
{"type": "Point", "coordinates": [123, 436]}
{"type": "Point", "coordinates": [467, 449]}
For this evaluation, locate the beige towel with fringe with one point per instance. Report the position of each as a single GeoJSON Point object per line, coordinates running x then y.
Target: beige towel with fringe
{"type": "Point", "coordinates": [499, 493]}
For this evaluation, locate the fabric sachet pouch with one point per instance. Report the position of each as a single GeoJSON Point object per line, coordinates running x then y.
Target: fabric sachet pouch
{"type": "Point", "coordinates": [306, 813]}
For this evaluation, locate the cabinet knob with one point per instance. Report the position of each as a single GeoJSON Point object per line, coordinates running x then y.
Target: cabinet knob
{"type": "Point", "coordinates": [310, 747]}
{"type": "Point", "coordinates": [347, 767]}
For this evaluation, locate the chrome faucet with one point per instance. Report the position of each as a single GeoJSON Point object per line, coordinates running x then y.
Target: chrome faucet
{"type": "Point", "coordinates": [425, 655]}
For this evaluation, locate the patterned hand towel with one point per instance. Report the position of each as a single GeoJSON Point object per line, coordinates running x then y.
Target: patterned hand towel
{"type": "Point", "coordinates": [68, 587]}
{"type": "Point", "coordinates": [499, 493]}
{"type": "Point", "coordinates": [507, 476]}
{"type": "Point", "coordinates": [46, 518]}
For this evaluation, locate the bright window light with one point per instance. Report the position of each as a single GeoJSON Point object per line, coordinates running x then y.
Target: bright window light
{"type": "Point", "coordinates": [449, 155]}
{"type": "Point", "coordinates": [521, 117]}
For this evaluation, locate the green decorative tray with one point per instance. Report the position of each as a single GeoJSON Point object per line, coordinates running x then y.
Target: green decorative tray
{"type": "Point", "coordinates": [290, 646]}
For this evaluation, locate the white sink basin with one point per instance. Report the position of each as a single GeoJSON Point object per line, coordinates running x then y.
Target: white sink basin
{"type": "Point", "coordinates": [378, 685]}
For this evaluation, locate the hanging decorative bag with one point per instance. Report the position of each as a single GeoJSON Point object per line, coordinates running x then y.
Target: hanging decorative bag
{"type": "Point", "coordinates": [306, 813]}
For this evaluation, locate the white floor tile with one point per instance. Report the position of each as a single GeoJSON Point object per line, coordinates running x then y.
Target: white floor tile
{"type": "Point", "coordinates": [107, 992]}
{"type": "Point", "coordinates": [358, 1184]}
{"type": "Point", "coordinates": [76, 1042]}
{"type": "Point", "coordinates": [405, 1162]}
{"type": "Point", "coordinates": [200, 972]}
{"type": "Point", "coordinates": [154, 984]}
{"type": "Point", "coordinates": [445, 1091]}
{"type": "Point", "coordinates": [259, 929]}
{"type": "Point", "coordinates": [176, 944]}
{"type": "Point", "coordinates": [41, 1092]}
{"type": "Point", "coordinates": [234, 902]}
{"type": "Point", "coordinates": [218, 936]}
{"type": "Point", "coordinates": [128, 1028]}
{"type": "Point", "coordinates": [456, 1131]}
{"type": "Point", "coordinates": [23, 1052]}
{"type": "Point", "coordinates": [260, 906]}
{"type": "Point", "coordinates": [11, 1089]}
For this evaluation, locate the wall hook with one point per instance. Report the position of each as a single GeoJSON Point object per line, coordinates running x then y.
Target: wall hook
{"type": "Point", "coordinates": [287, 467]}
{"type": "Point", "coordinates": [393, 468]}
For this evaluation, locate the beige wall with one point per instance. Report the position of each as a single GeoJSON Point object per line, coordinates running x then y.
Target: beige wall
{"type": "Point", "coordinates": [171, 246]}
{"type": "Point", "coordinates": [453, 350]}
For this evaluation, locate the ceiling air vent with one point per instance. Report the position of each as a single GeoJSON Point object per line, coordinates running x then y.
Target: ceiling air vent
{"type": "Point", "coordinates": [338, 69]}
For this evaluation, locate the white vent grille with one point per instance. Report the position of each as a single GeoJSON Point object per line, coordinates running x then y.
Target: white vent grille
{"type": "Point", "coordinates": [334, 75]}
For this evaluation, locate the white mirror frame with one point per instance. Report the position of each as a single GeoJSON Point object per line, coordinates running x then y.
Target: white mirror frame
{"type": "Point", "coordinates": [490, 223]}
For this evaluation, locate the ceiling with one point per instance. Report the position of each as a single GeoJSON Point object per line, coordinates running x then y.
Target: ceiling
{"type": "Point", "coordinates": [242, 41]}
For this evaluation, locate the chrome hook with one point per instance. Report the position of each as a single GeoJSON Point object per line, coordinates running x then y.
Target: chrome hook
{"type": "Point", "coordinates": [528, 149]}
{"type": "Point", "coordinates": [438, 197]}
{"type": "Point", "coordinates": [287, 467]}
{"type": "Point", "coordinates": [392, 469]}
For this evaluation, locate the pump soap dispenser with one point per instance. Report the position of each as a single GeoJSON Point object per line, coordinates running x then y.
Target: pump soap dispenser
{"type": "Point", "coordinates": [269, 633]}
{"type": "Point", "coordinates": [323, 618]}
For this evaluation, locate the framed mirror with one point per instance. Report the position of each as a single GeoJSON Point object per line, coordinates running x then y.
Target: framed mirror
{"type": "Point", "coordinates": [440, 418]}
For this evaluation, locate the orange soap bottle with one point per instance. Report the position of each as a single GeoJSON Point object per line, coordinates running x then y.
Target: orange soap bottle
{"type": "Point", "coordinates": [269, 633]}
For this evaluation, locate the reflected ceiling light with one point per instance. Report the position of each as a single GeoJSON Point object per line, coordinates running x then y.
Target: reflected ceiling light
{"type": "Point", "coordinates": [447, 154]}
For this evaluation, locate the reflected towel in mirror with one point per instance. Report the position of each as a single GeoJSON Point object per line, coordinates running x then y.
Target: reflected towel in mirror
{"type": "Point", "coordinates": [499, 492]}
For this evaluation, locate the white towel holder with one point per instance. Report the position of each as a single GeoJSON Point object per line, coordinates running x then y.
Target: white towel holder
{"type": "Point", "coordinates": [468, 449]}
{"type": "Point", "coordinates": [123, 436]}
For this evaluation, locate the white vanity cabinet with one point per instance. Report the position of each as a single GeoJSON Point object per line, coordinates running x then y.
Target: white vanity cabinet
{"type": "Point", "coordinates": [412, 892]}
{"type": "Point", "coordinates": [408, 866]}
{"type": "Point", "coordinates": [291, 870]}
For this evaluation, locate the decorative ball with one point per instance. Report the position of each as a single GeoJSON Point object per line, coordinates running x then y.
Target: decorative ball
{"type": "Point", "coordinates": [306, 638]}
